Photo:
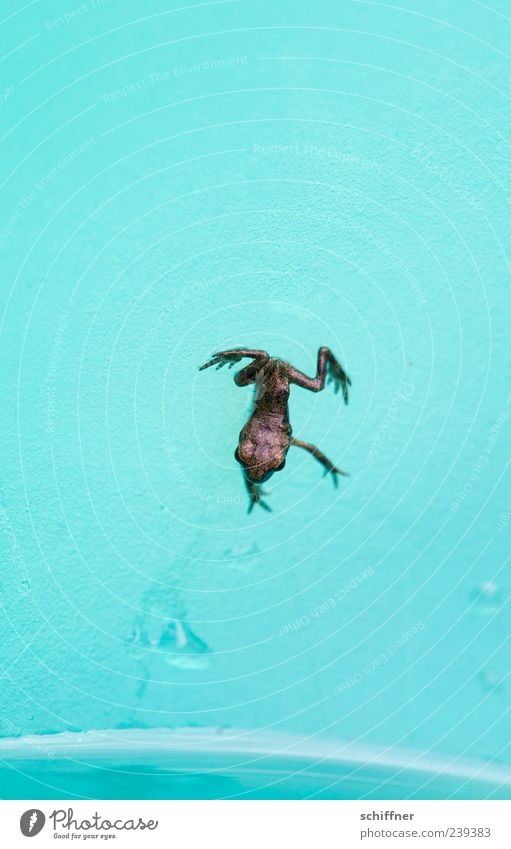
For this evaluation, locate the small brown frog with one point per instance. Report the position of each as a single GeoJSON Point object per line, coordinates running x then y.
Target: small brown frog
{"type": "Point", "coordinates": [265, 439]}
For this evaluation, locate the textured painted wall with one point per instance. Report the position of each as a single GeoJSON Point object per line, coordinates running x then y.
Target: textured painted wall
{"type": "Point", "coordinates": [281, 175]}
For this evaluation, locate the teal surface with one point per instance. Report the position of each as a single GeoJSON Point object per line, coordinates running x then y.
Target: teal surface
{"type": "Point", "coordinates": [223, 763]}
{"type": "Point", "coordinates": [179, 179]}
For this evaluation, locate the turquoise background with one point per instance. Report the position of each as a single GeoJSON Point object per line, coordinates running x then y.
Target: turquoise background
{"type": "Point", "coordinates": [175, 181]}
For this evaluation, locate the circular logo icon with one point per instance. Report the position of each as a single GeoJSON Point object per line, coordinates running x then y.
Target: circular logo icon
{"type": "Point", "coordinates": [31, 822]}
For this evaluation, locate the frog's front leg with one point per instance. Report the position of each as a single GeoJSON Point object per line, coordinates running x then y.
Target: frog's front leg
{"type": "Point", "coordinates": [329, 466]}
{"type": "Point", "coordinates": [328, 367]}
{"type": "Point", "coordinates": [254, 493]}
{"type": "Point", "coordinates": [234, 355]}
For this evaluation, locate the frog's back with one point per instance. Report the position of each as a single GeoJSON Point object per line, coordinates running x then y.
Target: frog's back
{"type": "Point", "coordinates": [264, 440]}
{"type": "Point", "coordinates": [272, 384]}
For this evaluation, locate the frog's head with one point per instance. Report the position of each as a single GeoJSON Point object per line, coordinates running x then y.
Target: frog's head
{"type": "Point", "coordinates": [260, 461]}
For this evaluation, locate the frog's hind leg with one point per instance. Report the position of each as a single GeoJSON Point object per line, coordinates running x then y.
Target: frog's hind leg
{"type": "Point", "coordinates": [329, 466]}
{"type": "Point", "coordinates": [329, 369]}
{"type": "Point", "coordinates": [254, 493]}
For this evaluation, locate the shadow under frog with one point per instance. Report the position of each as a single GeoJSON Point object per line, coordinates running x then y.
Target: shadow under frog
{"type": "Point", "coordinates": [267, 436]}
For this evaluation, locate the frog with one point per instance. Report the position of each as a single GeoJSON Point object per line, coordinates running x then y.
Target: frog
{"type": "Point", "coordinates": [267, 436]}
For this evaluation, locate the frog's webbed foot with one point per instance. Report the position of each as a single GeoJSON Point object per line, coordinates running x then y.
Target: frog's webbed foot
{"type": "Point", "coordinates": [254, 494]}
{"type": "Point", "coordinates": [337, 375]}
{"type": "Point", "coordinates": [234, 355]}
{"type": "Point", "coordinates": [255, 498]}
{"type": "Point", "coordinates": [321, 458]}
{"type": "Point", "coordinates": [223, 358]}
{"type": "Point", "coordinates": [334, 472]}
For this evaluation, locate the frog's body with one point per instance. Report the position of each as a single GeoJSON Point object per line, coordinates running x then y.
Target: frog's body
{"type": "Point", "coordinates": [266, 438]}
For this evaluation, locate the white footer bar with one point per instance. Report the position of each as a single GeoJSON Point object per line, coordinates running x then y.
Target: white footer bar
{"type": "Point", "coordinates": [257, 824]}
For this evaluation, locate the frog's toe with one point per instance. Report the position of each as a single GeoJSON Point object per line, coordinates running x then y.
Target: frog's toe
{"type": "Point", "coordinates": [212, 362]}
{"type": "Point", "coordinates": [229, 359]}
{"type": "Point", "coordinates": [218, 360]}
{"type": "Point", "coordinates": [335, 472]}
{"type": "Point", "coordinates": [255, 498]}
{"type": "Point", "coordinates": [261, 503]}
